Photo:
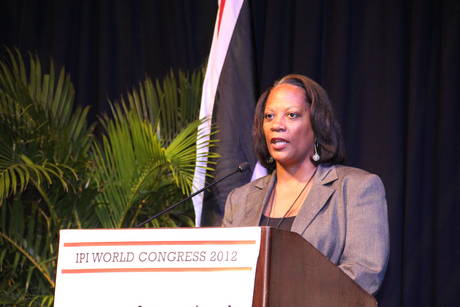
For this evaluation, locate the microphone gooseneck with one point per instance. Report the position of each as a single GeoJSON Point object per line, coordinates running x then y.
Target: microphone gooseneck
{"type": "Point", "coordinates": [242, 167]}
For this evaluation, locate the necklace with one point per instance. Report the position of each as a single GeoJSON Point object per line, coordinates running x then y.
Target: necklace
{"type": "Point", "coordinates": [291, 206]}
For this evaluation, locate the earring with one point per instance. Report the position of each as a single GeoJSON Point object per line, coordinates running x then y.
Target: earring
{"type": "Point", "coordinates": [316, 156]}
{"type": "Point", "coordinates": [270, 160]}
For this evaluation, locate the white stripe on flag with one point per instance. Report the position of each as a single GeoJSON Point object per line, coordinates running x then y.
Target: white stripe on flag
{"type": "Point", "coordinates": [219, 47]}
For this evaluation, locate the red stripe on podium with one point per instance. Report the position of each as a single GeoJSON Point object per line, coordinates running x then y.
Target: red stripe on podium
{"type": "Point", "coordinates": [138, 270]}
{"type": "Point", "coordinates": [137, 243]}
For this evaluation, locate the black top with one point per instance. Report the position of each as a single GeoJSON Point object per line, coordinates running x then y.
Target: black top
{"type": "Point", "coordinates": [284, 223]}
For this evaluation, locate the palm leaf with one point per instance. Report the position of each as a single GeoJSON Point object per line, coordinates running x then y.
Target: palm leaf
{"type": "Point", "coordinates": [44, 155]}
{"type": "Point", "coordinates": [172, 103]}
{"type": "Point", "coordinates": [148, 149]}
{"type": "Point", "coordinates": [25, 243]}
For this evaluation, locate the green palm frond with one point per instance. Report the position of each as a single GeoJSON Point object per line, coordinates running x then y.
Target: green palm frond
{"type": "Point", "coordinates": [15, 177]}
{"type": "Point", "coordinates": [148, 150]}
{"type": "Point", "coordinates": [131, 164]}
{"type": "Point", "coordinates": [28, 84]}
{"type": "Point", "coordinates": [43, 137]}
{"type": "Point", "coordinates": [129, 143]}
{"type": "Point", "coordinates": [182, 155]}
{"type": "Point", "coordinates": [172, 103]}
{"type": "Point", "coordinates": [27, 258]}
{"type": "Point", "coordinates": [37, 112]}
{"type": "Point", "coordinates": [44, 156]}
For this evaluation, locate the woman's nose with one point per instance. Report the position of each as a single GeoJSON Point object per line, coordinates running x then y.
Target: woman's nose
{"type": "Point", "coordinates": [278, 124]}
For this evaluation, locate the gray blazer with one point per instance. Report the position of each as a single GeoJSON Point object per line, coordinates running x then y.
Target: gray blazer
{"type": "Point", "coordinates": [344, 216]}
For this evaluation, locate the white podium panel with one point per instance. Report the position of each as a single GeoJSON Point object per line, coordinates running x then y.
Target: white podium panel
{"type": "Point", "coordinates": [157, 267]}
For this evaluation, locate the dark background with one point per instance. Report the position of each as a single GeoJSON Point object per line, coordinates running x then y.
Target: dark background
{"type": "Point", "coordinates": [392, 69]}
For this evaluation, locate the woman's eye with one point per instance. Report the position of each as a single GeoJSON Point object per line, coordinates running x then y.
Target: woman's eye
{"type": "Point", "coordinates": [293, 115]}
{"type": "Point", "coordinates": [268, 116]}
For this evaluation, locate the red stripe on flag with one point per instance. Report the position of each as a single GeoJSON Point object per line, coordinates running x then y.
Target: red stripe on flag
{"type": "Point", "coordinates": [221, 12]}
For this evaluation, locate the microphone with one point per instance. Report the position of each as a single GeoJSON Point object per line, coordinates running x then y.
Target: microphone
{"type": "Point", "coordinates": [242, 167]}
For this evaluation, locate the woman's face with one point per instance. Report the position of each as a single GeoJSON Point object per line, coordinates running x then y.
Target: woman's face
{"type": "Point", "coordinates": [287, 127]}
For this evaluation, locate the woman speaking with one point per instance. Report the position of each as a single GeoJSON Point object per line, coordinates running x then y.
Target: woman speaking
{"type": "Point", "coordinates": [340, 210]}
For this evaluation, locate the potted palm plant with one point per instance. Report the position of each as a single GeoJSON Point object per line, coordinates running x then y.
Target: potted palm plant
{"type": "Point", "coordinates": [55, 174]}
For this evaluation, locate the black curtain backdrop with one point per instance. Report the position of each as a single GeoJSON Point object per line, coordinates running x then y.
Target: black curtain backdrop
{"type": "Point", "coordinates": [391, 68]}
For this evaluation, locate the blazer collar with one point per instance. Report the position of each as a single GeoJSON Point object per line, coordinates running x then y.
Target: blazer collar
{"type": "Point", "coordinates": [326, 174]}
{"type": "Point", "coordinates": [318, 196]}
{"type": "Point", "coordinates": [258, 198]}
{"type": "Point", "coordinates": [316, 199]}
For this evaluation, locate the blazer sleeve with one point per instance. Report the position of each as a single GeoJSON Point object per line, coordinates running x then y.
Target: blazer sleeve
{"type": "Point", "coordinates": [366, 249]}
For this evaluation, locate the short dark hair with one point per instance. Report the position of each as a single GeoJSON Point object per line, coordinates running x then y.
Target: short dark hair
{"type": "Point", "coordinates": [325, 127]}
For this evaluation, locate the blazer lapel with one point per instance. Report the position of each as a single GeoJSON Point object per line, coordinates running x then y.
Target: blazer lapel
{"type": "Point", "coordinates": [257, 199]}
{"type": "Point", "coordinates": [316, 199]}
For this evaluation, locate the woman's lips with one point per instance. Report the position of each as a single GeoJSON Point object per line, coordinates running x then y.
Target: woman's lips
{"type": "Point", "coordinates": [278, 143]}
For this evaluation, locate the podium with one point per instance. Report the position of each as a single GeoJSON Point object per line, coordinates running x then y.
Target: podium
{"type": "Point", "coordinates": [291, 272]}
{"type": "Point", "coordinates": [198, 267]}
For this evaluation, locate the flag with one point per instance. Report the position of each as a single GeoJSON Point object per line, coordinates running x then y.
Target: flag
{"type": "Point", "coordinates": [229, 99]}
